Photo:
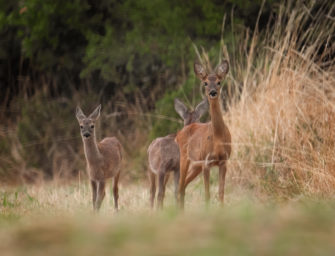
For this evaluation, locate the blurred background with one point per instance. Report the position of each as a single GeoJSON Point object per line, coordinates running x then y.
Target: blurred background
{"type": "Point", "coordinates": [135, 56]}
{"type": "Point", "coordinates": [131, 56]}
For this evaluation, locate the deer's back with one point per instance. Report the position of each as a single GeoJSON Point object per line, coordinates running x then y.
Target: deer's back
{"type": "Point", "coordinates": [111, 150]}
{"type": "Point", "coordinates": [163, 154]}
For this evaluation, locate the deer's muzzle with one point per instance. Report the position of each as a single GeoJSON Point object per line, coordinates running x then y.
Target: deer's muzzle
{"type": "Point", "coordinates": [213, 93]}
{"type": "Point", "coordinates": [86, 135]}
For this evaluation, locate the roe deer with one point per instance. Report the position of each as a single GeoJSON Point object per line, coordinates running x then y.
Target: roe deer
{"type": "Point", "coordinates": [103, 158]}
{"type": "Point", "coordinates": [163, 153]}
{"type": "Point", "coordinates": [203, 145]}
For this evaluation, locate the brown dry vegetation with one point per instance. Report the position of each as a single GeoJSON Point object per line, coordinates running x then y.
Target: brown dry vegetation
{"type": "Point", "coordinates": [283, 122]}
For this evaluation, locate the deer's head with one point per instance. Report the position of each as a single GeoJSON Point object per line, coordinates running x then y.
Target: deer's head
{"type": "Point", "coordinates": [190, 116]}
{"type": "Point", "coordinates": [212, 81]}
{"type": "Point", "coordinates": [87, 124]}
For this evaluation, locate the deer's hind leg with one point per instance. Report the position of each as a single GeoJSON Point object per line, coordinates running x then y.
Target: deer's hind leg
{"type": "Point", "coordinates": [176, 176]}
{"type": "Point", "coordinates": [193, 173]}
{"type": "Point", "coordinates": [161, 189]}
{"type": "Point", "coordinates": [94, 192]}
{"type": "Point", "coordinates": [184, 165]}
{"type": "Point", "coordinates": [152, 180]}
{"type": "Point", "coordinates": [166, 179]}
{"type": "Point", "coordinates": [116, 191]}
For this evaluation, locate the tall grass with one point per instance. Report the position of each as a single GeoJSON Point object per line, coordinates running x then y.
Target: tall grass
{"type": "Point", "coordinates": [282, 117]}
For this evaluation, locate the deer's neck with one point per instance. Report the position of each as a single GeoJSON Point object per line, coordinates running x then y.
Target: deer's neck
{"type": "Point", "coordinates": [92, 152]}
{"type": "Point", "coordinates": [218, 124]}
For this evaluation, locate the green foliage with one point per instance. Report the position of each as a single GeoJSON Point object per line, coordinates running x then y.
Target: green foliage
{"type": "Point", "coordinates": [154, 35]}
{"type": "Point", "coordinates": [121, 42]}
{"type": "Point", "coordinates": [52, 32]}
{"type": "Point", "coordinates": [164, 108]}
{"type": "Point", "coordinates": [48, 133]}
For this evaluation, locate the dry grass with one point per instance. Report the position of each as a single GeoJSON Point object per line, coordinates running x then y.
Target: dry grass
{"type": "Point", "coordinates": [51, 198]}
{"type": "Point", "coordinates": [283, 119]}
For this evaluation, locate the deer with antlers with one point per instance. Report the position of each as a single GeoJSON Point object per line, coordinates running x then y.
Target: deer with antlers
{"type": "Point", "coordinates": [103, 158]}
{"type": "Point", "coordinates": [163, 153]}
{"type": "Point", "coordinates": [203, 145]}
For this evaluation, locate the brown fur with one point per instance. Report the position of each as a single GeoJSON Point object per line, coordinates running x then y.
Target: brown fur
{"type": "Point", "coordinates": [163, 153]}
{"type": "Point", "coordinates": [103, 158]}
{"type": "Point", "coordinates": [205, 145]}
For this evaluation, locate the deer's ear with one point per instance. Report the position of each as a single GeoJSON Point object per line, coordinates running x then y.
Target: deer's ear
{"type": "Point", "coordinates": [200, 71]}
{"type": "Point", "coordinates": [180, 108]}
{"type": "Point", "coordinates": [96, 113]}
{"type": "Point", "coordinates": [222, 69]}
{"type": "Point", "coordinates": [201, 108]}
{"type": "Point", "coordinates": [79, 114]}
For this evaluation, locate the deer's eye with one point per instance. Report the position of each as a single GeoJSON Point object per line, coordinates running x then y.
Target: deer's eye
{"type": "Point", "coordinates": [218, 83]}
{"type": "Point", "coordinates": [205, 83]}
{"type": "Point", "coordinates": [81, 127]}
{"type": "Point", "coordinates": [92, 126]}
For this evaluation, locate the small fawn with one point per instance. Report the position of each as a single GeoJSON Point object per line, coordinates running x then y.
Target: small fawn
{"type": "Point", "coordinates": [103, 158]}
{"type": "Point", "coordinates": [163, 153]}
{"type": "Point", "coordinates": [203, 145]}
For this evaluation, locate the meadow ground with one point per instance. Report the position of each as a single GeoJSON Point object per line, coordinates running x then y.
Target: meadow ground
{"type": "Point", "coordinates": [53, 219]}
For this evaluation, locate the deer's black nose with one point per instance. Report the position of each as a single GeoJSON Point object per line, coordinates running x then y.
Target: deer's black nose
{"type": "Point", "coordinates": [86, 134]}
{"type": "Point", "coordinates": [213, 93]}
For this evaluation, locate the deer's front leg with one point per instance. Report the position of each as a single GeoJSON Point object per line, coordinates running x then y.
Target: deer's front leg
{"type": "Point", "coordinates": [94, 192]}
{"type": "Point", "coordinates": [222, 178]}
{"type": "Point", "coordinates": [206, 183]}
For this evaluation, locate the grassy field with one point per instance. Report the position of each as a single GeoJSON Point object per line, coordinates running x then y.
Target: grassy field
{"type": "Point", "coordinates": [58, 220]}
